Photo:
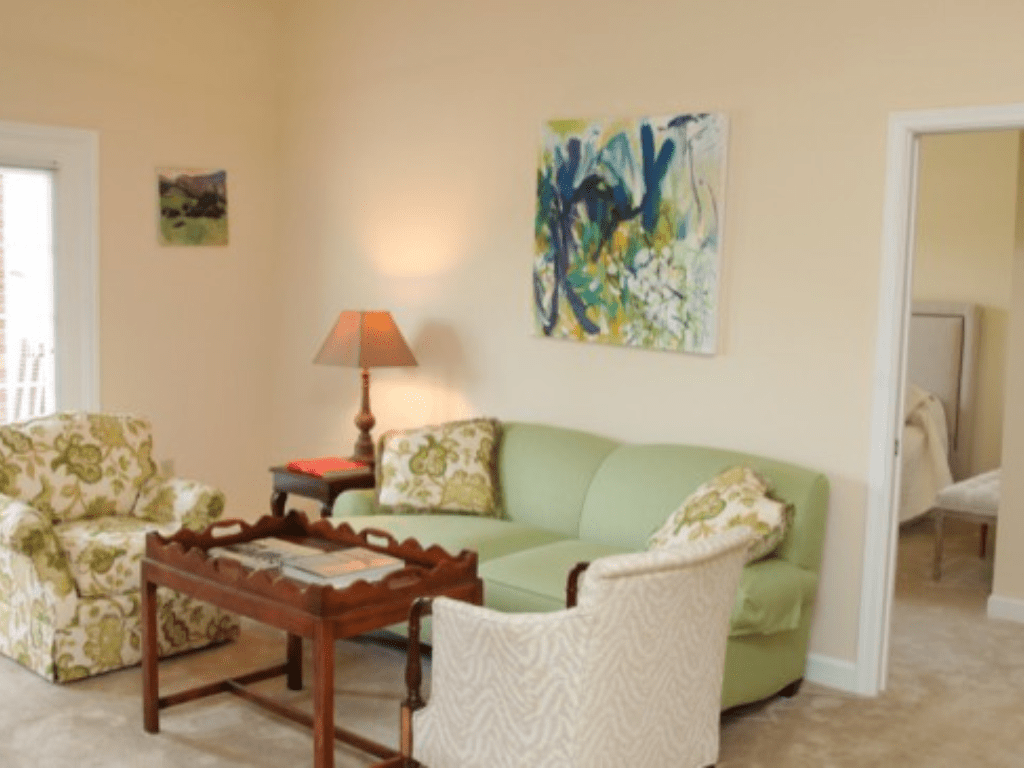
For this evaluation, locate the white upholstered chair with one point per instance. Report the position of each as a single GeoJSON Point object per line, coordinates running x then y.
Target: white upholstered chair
{"type": "Point", "coordinates": [630, 676]}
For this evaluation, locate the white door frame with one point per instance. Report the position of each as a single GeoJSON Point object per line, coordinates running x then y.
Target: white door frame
{"type": "Point", "coordinates": [887, 410]}
{"type": "Point", "coordinates": [74, 156]}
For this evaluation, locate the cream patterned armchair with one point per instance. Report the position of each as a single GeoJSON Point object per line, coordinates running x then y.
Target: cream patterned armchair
{"type": "Point", "coordinates": [630, 676]}
{"type": "Point", "coordinates": [78, 493]}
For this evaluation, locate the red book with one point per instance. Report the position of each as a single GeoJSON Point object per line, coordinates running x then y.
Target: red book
{"type": "Point", "coordinates": [321, 466]}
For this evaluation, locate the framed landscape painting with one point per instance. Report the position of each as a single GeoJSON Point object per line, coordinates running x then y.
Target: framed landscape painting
{"type": "Point", "coordinates": [193, 207]}
{"type": "Point", "coordinates": [628, 229]}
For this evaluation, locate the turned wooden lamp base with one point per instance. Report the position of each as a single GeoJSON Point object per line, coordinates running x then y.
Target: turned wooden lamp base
{"type": "Point", "coordinates": [364, 421]}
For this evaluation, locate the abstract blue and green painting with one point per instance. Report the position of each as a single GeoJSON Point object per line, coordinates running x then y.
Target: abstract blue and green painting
{"type": "Point", "coordinates": [629, 217]}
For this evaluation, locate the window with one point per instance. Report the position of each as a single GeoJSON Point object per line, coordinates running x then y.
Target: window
{"type": "Point", "coordinates": [27, 381]}
{"type": "Point", "coordinates": [48, 259]}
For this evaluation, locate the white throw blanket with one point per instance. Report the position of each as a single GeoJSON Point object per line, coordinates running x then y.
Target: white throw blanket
{"type": "Point", "coordinates": [923, 479]}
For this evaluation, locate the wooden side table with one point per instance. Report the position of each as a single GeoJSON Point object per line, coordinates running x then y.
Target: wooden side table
{"type": "Point", "coordinates": [324, 489]}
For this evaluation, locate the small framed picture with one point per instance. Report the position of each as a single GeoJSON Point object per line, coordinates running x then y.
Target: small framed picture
{"type": "Point", "coordinates": [193, 206]}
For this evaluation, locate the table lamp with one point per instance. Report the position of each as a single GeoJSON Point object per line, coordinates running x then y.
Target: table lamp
{"type": "Point", "coordinates": [365, 340]}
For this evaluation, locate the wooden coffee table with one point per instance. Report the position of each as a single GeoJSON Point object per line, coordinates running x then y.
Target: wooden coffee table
{"type": "Point", "coordinates": [321, 613]}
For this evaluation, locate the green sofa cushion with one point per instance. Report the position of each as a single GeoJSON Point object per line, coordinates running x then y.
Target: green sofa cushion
{"type": "Point", "coordinates": [545, 473]}
{"type": "Point", "coordinates": [535, 579]}
{"type": "Point", "coordinates": [489, 537]}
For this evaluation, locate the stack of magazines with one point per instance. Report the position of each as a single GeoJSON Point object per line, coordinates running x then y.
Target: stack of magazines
{"type": "Point", "coordinates": [337, 568]}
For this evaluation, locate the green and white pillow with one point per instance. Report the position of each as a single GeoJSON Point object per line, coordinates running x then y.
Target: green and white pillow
{"type": "Point", "coordinates": [449, 468]}
{"type": "Point", "coordinates": [736, 496]}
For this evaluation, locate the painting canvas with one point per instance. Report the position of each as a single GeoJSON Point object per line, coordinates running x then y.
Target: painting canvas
{"type": "Point", "coordinates": [193, 207]}
{"type": "Point", "coordinates": [628, 230]}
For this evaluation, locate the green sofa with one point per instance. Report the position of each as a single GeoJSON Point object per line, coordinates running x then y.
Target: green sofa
{"type": "Point", "coordinates": [571, 496]}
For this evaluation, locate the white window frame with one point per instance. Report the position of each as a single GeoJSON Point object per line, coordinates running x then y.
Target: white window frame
{"type": "Point", "coordinates": [74, 156]}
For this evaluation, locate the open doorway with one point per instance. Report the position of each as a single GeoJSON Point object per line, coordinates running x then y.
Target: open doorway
{"type": "Point", "coordinates": [905, 130]}
{"type": "Point", "coordinates": [961, 262]}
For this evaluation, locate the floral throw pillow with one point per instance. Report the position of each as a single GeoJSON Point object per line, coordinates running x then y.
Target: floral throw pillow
{"type": "Point", "coordinates": [737, 496]}
{"type": "Point", "coordinates": [446, 468]}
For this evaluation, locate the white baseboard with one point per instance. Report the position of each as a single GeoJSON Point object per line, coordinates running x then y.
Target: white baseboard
{"type": "Point", "coordinates": [832, 673]}
{"type": "Point", "coordinates": [1006, 608]}
{"type": "Point", "coordinates": [842, 675]}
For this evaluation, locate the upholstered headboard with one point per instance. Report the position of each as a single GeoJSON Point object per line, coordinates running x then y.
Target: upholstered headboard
{"type": "Point", "coordinates": [942, 350]}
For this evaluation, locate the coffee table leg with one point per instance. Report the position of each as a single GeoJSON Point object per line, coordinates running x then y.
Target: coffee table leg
{"type": "Point", "coordinates": [294, 662]}
{"type": "Point", "coordinates": [277, 502]}
{"type": "Point", "coordinates": [150, 652]}
{"type": "Point", "coordinates": [323, 697]}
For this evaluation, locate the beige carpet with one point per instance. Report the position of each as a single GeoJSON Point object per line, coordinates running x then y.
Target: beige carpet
{"type": "Point", "coordinates": [956, 697]}
{"type": "Point", "coordinates": [956, 686]}
{"type": "Point", "coordinates": [97, 722]}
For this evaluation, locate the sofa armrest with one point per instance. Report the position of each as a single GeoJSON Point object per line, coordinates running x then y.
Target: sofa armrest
{"type": "Point", "coordinates": [28, 532]}
{"type": "Point", "coordinates": [772, 597]}
{"type": "Point", "coordinates": [356, 503]}
{"type": "Point", "coordinates": [190, 503]}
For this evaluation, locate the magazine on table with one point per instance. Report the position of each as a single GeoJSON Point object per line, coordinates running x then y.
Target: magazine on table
{"type": "Point", "coordinates": [260, 554]}
{"type": "Point", "coordinates": [337, 568]}
{"type": "Point", "coordinates": [342, 567]}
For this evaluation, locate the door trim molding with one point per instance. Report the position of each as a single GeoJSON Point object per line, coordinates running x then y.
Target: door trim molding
{"type": "Point", "coordinates": [894, 288]}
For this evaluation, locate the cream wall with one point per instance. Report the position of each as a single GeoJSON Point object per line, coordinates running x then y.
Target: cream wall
{"type": "Point", "coordinates": [410, 147]}
{"type": "Point", "coordinates": [183, 332]}
{"type": "Point", "coordinates": [966, 211]}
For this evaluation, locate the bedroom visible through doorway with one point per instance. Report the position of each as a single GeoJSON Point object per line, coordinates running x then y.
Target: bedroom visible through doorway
{"type": "Point", "coordinates": [905, 131]}
{"type": "Point", "coordinates": [962, 258]}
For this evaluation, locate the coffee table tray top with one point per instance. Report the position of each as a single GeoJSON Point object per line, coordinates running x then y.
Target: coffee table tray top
{"type": "Point", "coordinates": [426, 568]}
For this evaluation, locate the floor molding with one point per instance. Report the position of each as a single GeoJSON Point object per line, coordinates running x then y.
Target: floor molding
{"type": "Point", "coordinates": [1006, 608]}
{"type": "Point", "coordinates": [833, 673]}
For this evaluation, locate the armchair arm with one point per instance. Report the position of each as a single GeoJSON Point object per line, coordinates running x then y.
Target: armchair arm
{"type": "Point", "coordinates": [421, 607]}
{"type": "Point", "coordinates": [572, 583]}
{"type": "Point", "coordinates": [28, 532]}
{"type": "Point", "coordinates": [192, 504]}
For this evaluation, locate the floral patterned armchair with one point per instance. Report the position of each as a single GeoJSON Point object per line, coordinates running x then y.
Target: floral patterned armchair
{"type": "Point", "coordinates": [78, 494]}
